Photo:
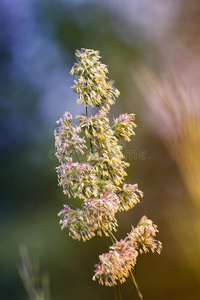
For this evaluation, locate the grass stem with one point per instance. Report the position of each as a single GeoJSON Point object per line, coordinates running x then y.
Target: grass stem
{"type": "Point", "coordinates": [136, 286]}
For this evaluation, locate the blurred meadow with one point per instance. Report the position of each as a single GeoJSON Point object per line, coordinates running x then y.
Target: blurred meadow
{"type": "Point", "coordinates": [152, 52]}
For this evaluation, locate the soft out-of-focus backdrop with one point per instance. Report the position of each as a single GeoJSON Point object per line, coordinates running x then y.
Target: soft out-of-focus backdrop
{"type": "Point", "coordinates": [37, 44]}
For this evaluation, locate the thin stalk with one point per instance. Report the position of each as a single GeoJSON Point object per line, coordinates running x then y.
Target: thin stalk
{"type": "Point", "coordinates": [112, 236]}
{"type": "Point", "coordinates": [91, 145]}
{"type": "Point", "coordinates": [86, 112]}
{"type": "Point", "coordinates": [115, 293]}
{"type": "Point", "coordinates": [119, 292]}
{"type": "Point", "coordinates": [136, 286]}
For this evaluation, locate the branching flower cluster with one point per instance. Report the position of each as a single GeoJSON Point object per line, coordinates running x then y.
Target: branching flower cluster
{"type": "Point", "coordinates": [116, 265]}
{"type": "Point", "coordinates": [91, 85]}
{"type": "Point", "coordinates": [92, 169]}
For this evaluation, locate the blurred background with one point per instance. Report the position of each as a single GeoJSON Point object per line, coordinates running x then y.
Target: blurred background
{"type": "Point", "coordinates": [151, 48]}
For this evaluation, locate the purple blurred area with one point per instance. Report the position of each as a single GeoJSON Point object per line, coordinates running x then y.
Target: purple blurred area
{"type": "Point", "coordinates": [38, 40]}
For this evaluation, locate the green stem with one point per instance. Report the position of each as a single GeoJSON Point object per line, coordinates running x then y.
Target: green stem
{"type": "Point", "coordinates": [86, 112]}
{"type": "Point", "coordinates": [113, 238]}
{"type": "Point", "coordinates": [119, 292]}
{"type": "Point", "coordinates": [91, 145]}
{"type": "Point", "coordinates": [115, 293]}
{"type": "Point", "coordinates": [136, 286]}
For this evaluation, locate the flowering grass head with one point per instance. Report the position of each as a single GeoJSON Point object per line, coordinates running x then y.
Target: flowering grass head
{"type": "Point", "coordinates": [91, 83]}
{"type": "Point", "coordinates": [123, 126]}
{"type": "Point", "coordinates": [143, 236]}
{"type": "Point", "coordinates": [116, 265]}
{"type": "Point", "coordinates": [129, 196]}
{"type": "Point", "coordinates": [92, 169]}
{"type": "Point", "coordinates": [67, 139]}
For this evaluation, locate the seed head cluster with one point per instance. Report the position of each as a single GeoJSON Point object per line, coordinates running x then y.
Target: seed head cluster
{"type": "Point", "coordinates": [92, 169]}
{"type": "Point", "coordinates": [91, 84]}
{"type": "Point", "coordinates": [123, 126]}
{"type": "Point", "coordinates": [116, 265]}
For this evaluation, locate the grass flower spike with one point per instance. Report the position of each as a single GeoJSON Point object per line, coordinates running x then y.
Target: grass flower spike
{"type": "Point", "coordinates": [143, 235]}
{"type": "Point", "coordinates": [116, 265]}
{"type": "Point", "coordinates": [92, 169]}
{"type": "Point", "coordinates": [91, 85]}
{"type": "Point", "coordinates": [123, 126]}
{"type": "Point", "coordinates": [67, 139]}
{"type": "Point", "coordinates": [129, 196]}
